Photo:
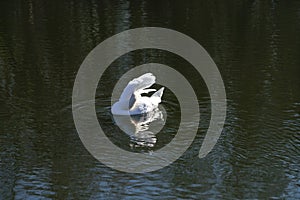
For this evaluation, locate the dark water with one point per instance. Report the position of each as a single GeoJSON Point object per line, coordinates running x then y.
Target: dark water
{"type": "Point", "coordinates": [255, 44]}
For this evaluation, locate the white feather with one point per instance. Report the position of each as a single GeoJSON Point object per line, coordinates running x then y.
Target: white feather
{"type": "Point", "coordinates": [132, 103]}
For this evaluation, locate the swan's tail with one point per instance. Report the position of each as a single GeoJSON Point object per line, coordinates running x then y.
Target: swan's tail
{"type": "Point", "coordinates": [157, 95]}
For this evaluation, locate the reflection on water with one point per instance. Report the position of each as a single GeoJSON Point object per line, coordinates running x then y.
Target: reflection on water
{"type": "Point", "coordinates": [256, 46]}
{"type": "Point", "coordinates": [141, 128]}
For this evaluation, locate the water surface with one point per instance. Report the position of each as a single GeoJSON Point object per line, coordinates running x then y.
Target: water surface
{"type": "Point", "coordinates": [255, 44]}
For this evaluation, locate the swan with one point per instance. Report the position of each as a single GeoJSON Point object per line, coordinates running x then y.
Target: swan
{"type": "Point", "coordinates": [132, 102]}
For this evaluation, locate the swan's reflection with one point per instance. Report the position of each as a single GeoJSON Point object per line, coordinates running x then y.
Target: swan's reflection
{"type": "Point", "coordinates": [141, 128]}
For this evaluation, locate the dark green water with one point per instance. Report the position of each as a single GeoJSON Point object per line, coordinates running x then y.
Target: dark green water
{"type": "Point", "coordinates": [255, 44]}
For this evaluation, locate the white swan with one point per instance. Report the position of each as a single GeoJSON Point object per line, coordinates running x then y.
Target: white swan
{"type": "Point", "coordinates": [132, 102]}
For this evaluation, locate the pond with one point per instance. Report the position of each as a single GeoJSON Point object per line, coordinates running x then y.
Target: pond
{"type": "Point", "coordinates": [256, 46]}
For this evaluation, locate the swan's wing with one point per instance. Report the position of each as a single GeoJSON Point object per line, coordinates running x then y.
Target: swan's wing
{"type": "Point", "coordinates": [140, 83]}
{"type": "Point", "coordinates": [156, 97]}
{"type": "Point", "coordinates": [159, 93]}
